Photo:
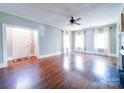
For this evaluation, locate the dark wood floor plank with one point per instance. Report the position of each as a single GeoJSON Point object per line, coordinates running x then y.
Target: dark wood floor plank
{"type": "Point", "coordinates": [68, 71]}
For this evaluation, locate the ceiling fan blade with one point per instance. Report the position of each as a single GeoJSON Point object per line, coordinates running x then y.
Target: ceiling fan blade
{"type": "Point", "coordinates": [77, 23]}
{"type": "Point", "coordinates": [78, 19]}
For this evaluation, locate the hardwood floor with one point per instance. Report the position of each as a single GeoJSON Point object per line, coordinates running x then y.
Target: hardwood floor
{"type": "Point", "coordinates": [77, 71]}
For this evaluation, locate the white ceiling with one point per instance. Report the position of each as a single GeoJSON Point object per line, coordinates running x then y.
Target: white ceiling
{"type": "Point", "coordinates": [57, 15]}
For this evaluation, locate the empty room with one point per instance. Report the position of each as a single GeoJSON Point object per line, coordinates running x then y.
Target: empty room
{"type": "Point", "coordinates": [61, 46]}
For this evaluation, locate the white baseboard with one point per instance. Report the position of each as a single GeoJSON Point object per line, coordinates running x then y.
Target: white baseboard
{"type": "Point", "coordinates": [2, 65]}
{"type": "Point", "coordinates": [91, 52]}
{"type": "Point", "coordinates": [113, 55]}
{"type": "Point", "coordinates": [51, 54]}
{"type": "Point", "coordinates": [10, 58]}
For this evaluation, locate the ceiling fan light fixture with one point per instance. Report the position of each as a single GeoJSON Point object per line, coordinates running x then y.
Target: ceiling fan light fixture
{"type": "Point", "coordinates": [74, 21]}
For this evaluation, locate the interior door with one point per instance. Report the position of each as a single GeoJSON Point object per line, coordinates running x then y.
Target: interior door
{"type": "Point", "coordinates": [21, 43]}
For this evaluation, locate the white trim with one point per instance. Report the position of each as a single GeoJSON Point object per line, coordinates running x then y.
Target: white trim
{"type": "Point", "coordinates": [94, 27]}
{"type": "Point", "coordinates": [18, 26]}
{"type": "Point", "coordinates": [12, 44]}
{"type": "Point", "coordinates": [9, 58]}
{"type": "Point", "coordinates": [51, 54]}
{"type": "Point", "coordinates": [36, 36]}
{"type": "Point", "coordinates": [5, 63]}
{"type": "Point", "coordinates": [2, 66]}
{"type": "Point", "coordinates": [91, 52]}
{"type": "Point", "coordinates": [113, 55]}
{"type": "Point", "coordinates": [122, 52]}
{"type": "Point", "coordinates": [4, 46]}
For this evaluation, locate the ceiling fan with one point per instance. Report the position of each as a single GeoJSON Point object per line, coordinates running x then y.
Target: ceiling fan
{"type": "Point", "coordinates": [74, 21]}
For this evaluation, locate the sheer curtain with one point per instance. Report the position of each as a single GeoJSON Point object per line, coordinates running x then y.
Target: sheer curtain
{"type": "Point", "coordinates": [107, 39]}
{"type": "Point", "coordinates": [79, 41]}
{"type": "Point", "coordinates": [102, 41]}
{"type": "Point", "coordinates": [66, 42]}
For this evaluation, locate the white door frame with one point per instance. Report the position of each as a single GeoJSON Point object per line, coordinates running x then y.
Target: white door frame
{"type": "Point", "coordinates": [5, 41]}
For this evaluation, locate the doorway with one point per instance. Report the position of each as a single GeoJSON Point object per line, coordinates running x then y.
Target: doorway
{"type": "Point", "coordinates": [19, 43]}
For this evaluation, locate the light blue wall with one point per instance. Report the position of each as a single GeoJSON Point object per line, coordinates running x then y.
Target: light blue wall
{"type": "Point", "coordinates": [51, 41]}
{"type": "Point", "coordinates": [49, 38]}
{"type": "Point", "coordinates": [113, 39]}
{"type": "Point", "coordinates": [72, 40]}
{"type": "Point", "coordinates": [89, 40]}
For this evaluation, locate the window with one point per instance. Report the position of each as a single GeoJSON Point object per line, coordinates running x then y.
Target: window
{"type": "Point", "coordinates": [101, 40]}
{"type": "Point", "coordinates": [66, 42]}
{"type": "Point", "coordinates": [79, 41]}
